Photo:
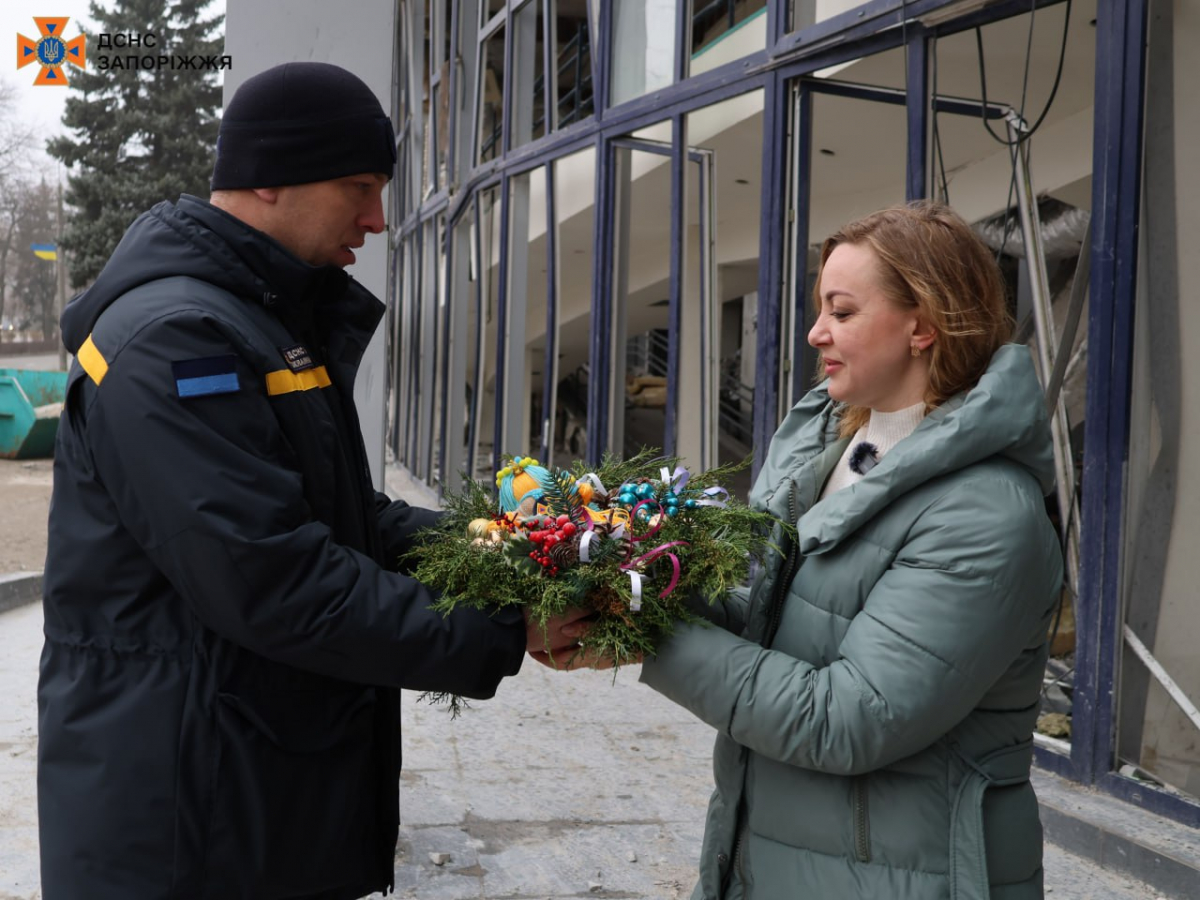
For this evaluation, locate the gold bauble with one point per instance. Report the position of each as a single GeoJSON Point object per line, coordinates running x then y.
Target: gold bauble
{"type": "Point", "coordinates": [478, 528]}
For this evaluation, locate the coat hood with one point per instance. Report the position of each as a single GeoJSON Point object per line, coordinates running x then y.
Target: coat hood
{"type": "Point", "coordinates": [1002, 417]}
{"type": "Point", "coordinates": [195, 239]}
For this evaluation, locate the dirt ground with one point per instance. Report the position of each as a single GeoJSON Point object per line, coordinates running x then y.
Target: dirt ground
{"type": "Point", "coordinates": [24, 506]}
{"type": "Point", "coordinates": [25, 492]}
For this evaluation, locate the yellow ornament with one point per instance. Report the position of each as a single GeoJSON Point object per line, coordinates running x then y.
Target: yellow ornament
{"type": "Point", "coordinates": [586, 492]}
{"type": "Point", "coordinates": [520, 483]}
{"type": "Point", "coordinates": [478, 528]}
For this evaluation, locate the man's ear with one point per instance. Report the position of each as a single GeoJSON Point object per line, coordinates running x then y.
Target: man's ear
{"type": "Point", "coordinates": [267, 195]}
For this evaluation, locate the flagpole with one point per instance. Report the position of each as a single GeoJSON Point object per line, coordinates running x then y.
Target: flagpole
{"type": "Point", "coordinates": [60, 262]}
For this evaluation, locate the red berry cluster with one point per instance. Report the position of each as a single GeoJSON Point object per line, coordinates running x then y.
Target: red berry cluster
{"type": "Point", "coordinates": [560, 529]}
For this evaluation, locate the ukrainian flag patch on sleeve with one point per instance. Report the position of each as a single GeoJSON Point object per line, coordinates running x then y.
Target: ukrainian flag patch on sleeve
{"type": "Point", "coordinates": [204, 377]}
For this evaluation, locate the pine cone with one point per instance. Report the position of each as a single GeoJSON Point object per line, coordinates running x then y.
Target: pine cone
{"type": "Point", "coordinates": [565, 554]}
{"type": "Point", "coordinates": [606, 529]}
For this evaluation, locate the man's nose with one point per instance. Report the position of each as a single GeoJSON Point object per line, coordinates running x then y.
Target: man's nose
{"type": "Point", "coordinates": [372, 219]}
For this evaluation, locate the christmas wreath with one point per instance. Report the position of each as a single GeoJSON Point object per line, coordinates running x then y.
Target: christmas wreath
{"type": "Point", "coordinates": [635, 541]}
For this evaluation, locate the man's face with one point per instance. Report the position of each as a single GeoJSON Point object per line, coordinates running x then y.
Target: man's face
{"type": "Point", "coordinates": [323, 223]}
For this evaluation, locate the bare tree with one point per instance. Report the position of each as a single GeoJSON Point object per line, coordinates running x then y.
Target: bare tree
{"type": "Point", "coordinates": [32, 294]}
{"type": "Point", "coordinates": [15, 169]}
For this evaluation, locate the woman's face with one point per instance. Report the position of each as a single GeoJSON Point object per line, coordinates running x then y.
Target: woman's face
{"type": "Point", "coordinates": [865, 339]}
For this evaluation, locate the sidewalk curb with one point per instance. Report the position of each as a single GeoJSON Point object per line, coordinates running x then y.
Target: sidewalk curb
{"type": "Point", "coordinates": [1118, 837]}
{"type": "Point", "coordinates": [19, 588]}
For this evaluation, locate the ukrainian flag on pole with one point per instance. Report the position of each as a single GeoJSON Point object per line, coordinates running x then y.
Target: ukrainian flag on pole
{"type": "Point", "coordinates": [45, 251]}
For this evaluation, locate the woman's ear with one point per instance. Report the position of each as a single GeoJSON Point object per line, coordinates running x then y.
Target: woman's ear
{"type": "Point", "coordinates": [924, 334]}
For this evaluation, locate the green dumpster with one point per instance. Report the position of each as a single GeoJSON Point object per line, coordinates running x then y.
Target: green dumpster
{"type": "Point", "coordinates": [30, 404]}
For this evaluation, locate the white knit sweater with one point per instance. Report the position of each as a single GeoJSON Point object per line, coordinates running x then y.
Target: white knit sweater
{"type": "Point", "coordinates": [884, 430]}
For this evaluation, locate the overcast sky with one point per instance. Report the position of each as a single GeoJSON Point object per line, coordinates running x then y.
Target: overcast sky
{"type": "Point", "coordinates": [42, 106]}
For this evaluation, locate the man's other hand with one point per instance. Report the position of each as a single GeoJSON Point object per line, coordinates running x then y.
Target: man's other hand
{"type": "Point", "coordinates": [558, 633]}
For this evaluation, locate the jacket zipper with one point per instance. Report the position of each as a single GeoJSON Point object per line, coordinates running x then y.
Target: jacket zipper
{"type": "Point", "coordinates": [739, 858]}
{"type": "Point", "coordinates": [737, 864]}
{"type": "Point", "coordinates": [862, 822]}
{"type": "Point", "coordinates": [786, 574]}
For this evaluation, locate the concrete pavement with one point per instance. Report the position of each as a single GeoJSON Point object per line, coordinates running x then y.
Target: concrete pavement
{"type": "Point", "coordinates": [565, 785]}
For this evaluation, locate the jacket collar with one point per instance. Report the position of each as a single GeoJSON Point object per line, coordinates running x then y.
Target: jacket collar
{"type": "Point", "coordinates": [339, 306]}
{"type": "Point", "coordinates": [1002, 416]}
{"type": "Point", "coordinates": [277, 270]}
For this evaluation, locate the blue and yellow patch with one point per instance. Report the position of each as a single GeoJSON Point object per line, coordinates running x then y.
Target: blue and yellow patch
{"type": "Point", "coordinates": [204, 377]}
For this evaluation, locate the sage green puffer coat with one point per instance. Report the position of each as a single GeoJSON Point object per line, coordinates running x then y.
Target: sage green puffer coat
{"type": "Point", "coordinates": [876, 691]}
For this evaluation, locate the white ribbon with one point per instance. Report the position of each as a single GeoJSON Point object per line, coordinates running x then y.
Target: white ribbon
{"type": "Point", "coordinates": [635, 582]}
{"type": "Point", "coordinates": [585, 554]}
{"type": "Point", "coordinates": [585, 542]}
{"type": "Point", "coordinates": [710, 497]}
{"type": "Point", "coordinates": [681, 475]}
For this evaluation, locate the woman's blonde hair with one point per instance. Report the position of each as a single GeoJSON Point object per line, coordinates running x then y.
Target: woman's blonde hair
{"type": "Point", "coordinates": [931, 260]}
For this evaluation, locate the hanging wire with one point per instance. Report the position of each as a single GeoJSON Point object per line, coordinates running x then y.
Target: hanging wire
{"type": "Point", "coordinates": [1013, 146]}
{"type": "Point", "coordinates": [1062, 55]}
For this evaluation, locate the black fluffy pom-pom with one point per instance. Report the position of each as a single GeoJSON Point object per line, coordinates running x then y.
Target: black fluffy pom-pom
{"type": "Point", "coordinates": [863, 457]}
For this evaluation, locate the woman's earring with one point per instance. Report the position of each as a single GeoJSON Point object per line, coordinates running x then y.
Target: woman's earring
{"type": "Point", "coordinates": [916, 351]}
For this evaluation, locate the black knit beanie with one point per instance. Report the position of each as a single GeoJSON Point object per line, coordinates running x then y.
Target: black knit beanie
{"type": "Point", "coordinates": [298, 123]}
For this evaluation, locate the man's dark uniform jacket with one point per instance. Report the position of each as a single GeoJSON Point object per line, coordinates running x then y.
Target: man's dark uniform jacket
{"type": "Point", "coordinates": [226, 633]}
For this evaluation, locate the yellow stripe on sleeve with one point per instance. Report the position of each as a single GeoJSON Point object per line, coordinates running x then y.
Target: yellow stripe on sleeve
{"type": "Point", "coordinates": [91, 361]}
{"type": "Point", "coordinates": [284, 381]}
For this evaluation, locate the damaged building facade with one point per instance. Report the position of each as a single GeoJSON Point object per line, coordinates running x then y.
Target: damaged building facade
{"type": "Point", "coordinates": [603, 233]}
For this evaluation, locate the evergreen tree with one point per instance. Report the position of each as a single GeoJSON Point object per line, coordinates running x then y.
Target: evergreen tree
{"type": "Point", "coordinates": [140, 135]}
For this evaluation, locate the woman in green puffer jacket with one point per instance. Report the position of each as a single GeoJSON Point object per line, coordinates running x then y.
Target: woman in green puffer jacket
{"type": "Point", "coordinates": [876, 689]}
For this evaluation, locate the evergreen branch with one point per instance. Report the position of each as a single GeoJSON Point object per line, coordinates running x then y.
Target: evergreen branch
{"type": "Point", "coordinates": [453, 702]}
{"type": "Point", "coordinates": [715, 547]}
{"type": "Point", "coordinates": [561, 494]}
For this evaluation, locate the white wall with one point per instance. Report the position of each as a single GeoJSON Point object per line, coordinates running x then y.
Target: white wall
{"type": "Point", "coordinates": [263, 33]}
{"type": "Point", "coordinates": [1163, 503]}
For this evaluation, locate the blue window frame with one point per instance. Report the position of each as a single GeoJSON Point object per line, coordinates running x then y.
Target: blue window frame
{"type": "Point", "coordinates": [780, 71]}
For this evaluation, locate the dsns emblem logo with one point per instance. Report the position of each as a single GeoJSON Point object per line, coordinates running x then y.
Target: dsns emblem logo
{"type": "Point", "coordinates": [51, 52]}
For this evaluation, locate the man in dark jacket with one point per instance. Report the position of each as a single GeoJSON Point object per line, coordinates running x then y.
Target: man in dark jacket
{"type": "Point", "coordinates": [226, 631]}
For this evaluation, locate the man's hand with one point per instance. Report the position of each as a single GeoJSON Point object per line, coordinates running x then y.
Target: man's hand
{"type": "Point", "coordinates": [560, 633]}
{"type": "Point", "coordinates": [571, 658]}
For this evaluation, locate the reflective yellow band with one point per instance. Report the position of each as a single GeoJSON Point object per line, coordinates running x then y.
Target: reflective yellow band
{"type": "Point", "coordinates": [91, 360]}
{"type": "Point", "coordinates": [285, 380]}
